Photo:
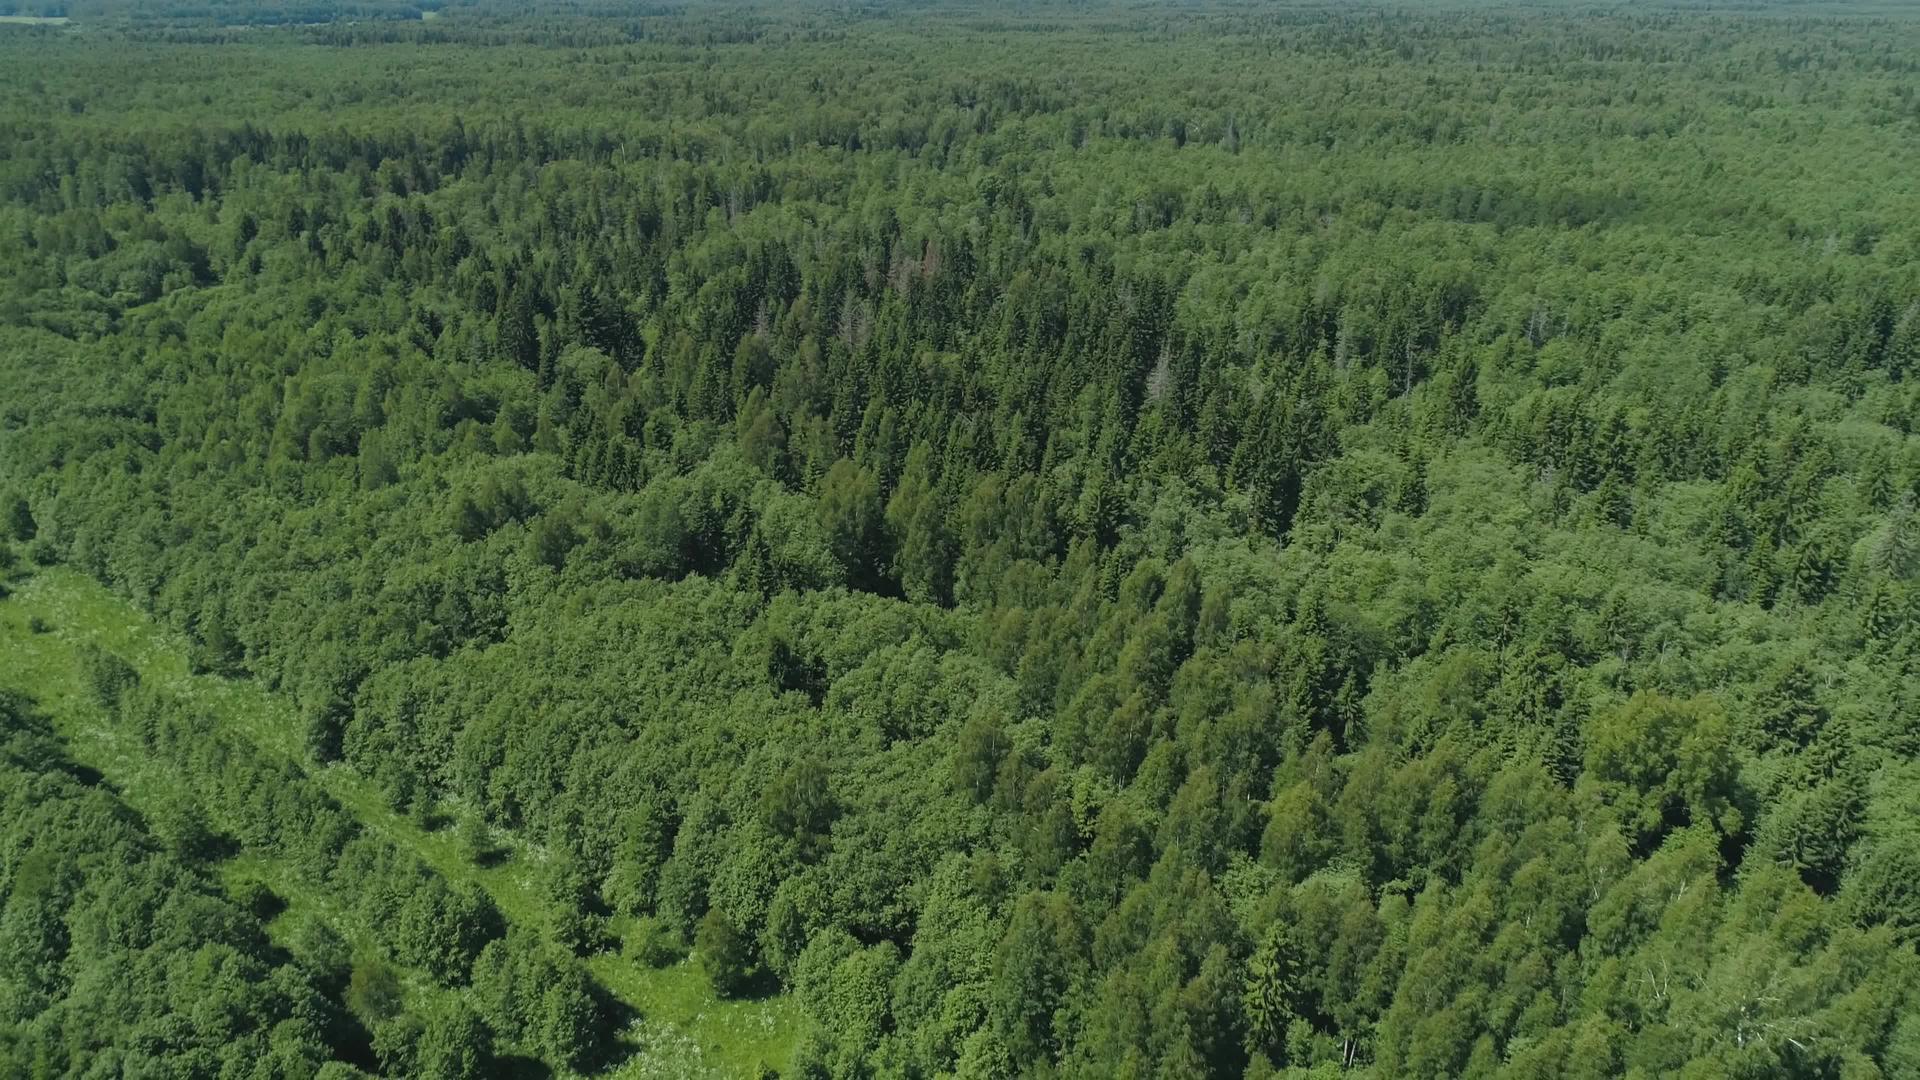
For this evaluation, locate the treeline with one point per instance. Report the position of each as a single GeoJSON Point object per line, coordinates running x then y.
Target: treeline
{"type": "Point", "coordinates": [219, 13]}
{"type": "Point", "coordinates": [120, 956]}
{"type": "Point", "coordinates": [527, 993]}
{"type": "Point", "coordinates": [272, 807]}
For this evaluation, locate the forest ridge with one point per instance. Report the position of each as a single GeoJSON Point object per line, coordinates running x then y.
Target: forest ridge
{"type": "Point", "coordinates": [914, 540]}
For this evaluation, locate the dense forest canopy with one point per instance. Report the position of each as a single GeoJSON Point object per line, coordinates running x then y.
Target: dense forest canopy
{"type": "Point", "coordinates": [1061, 540]}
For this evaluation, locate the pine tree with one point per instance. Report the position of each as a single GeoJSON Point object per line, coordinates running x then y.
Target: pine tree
{"type": "Point", "coordinates": [1272, 990]}
{"type": "Point", "coordinates": [1896, 551]}
{"type": "Point", "coordinates": [916, 519]}
{"type": "Point", "coordinates": [1788, 709]}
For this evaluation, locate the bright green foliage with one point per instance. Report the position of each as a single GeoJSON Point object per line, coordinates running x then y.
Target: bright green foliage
{"type": "Point", "coordinates": [455, 1044]}
{"type": "Point", "coordinates": [1156, 541]}
{"type": "Point", "coordinates": [654, 944]}
{"type": "Point", "coordinates": [532, 993]}
{"type": "Point", "coordinates": [1664, 763]}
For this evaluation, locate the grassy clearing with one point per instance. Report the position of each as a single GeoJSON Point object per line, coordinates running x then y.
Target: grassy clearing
{"type": "Point", "coordinates": [685, 1032]}
{"type": "Point", "coordinates": [33, 20]}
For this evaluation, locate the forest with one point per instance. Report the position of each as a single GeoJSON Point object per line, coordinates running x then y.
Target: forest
{"type": "Point", "coordinates": [904, 540]}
